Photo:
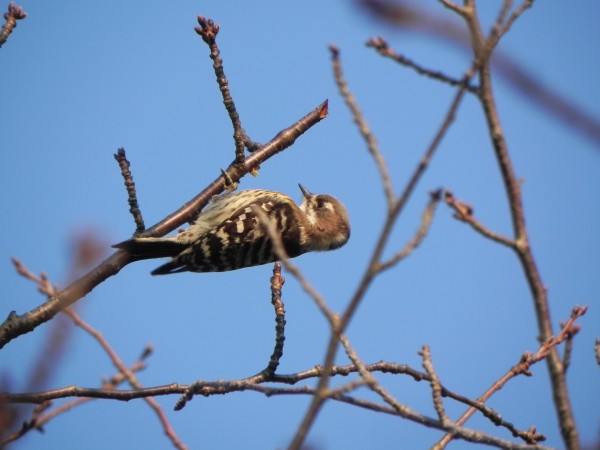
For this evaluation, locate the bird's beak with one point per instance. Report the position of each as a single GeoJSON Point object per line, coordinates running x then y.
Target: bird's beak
{"type": "Point", "coordinates": [304, 191]}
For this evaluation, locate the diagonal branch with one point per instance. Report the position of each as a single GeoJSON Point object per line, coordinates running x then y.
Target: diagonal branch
{"type": "Point", "coordinates": [522, 368]}
{"type": "Point", "coordinates": [16, 325]}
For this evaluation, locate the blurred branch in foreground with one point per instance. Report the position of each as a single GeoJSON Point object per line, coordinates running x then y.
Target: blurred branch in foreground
{"type": "Point", "coordinates": [408, 16]}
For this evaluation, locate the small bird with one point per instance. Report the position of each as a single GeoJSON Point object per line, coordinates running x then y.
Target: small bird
{"type": "Point", "coordinates": [230, 234]}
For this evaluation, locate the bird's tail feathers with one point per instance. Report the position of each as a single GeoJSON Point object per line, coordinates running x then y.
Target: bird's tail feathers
{"type": "Point", "coordinates": [173, 266]}
{"type": "Point", "coordinates": [149, 248]}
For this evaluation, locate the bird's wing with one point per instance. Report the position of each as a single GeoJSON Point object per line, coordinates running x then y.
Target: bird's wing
{"type": "Point", "coordinates": [221, 208]}
{"type": "Point", "coordinates": [237, 240]}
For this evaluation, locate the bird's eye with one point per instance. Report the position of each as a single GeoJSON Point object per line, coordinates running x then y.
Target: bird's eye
{"type": "Point", "coordinates": [320, 203]}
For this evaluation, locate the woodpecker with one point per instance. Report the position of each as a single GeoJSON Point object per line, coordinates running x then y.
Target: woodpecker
{"type": "Point", "coordinates": [230, 234]}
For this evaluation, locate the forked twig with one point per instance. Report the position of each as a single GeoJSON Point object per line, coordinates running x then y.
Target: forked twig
{"type": "Point", "coordinates": [426, 221]}
{"type": "Point", "coordinates": [522, 368]}
{"type": "Point", "coordinates": [47, 288]}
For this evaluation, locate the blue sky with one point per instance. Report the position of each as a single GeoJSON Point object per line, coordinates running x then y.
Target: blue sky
{"type": "Point", "coordinates": [81, 79]}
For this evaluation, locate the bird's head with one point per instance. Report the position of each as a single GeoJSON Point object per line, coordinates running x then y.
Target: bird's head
{"type": "Point", "coordinates": [328, 220]}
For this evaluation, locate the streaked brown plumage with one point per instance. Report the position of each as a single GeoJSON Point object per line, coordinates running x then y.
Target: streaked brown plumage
{"type": "Point", "coordinates": [228, 235]}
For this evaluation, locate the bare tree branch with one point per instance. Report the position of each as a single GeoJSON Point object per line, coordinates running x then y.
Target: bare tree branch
{"type": "Point", "coordinates": [277, 282]}
{"type": "Point", "coordinates": [522, 368]}
{"type": "Point", "coordinates": [222, 387]}
{"type": "Point", "coordinates": [464, 213]}
{"type": "Point", "coordinates": [436, 386]}
{"type": "Point", "coordinates": [383, 48]}
{"type": "Point", "coordinates": [208, 30]}
{"type": "Point", "coordinates": [134, 207]}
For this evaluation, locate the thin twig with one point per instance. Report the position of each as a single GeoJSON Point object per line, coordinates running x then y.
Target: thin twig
{"type": "Point", "coordinates": [436, 386]}
{"type": "Point", "coordinates": [134, 207]}
{"type": "Point", "coordinates": [362, 125]}
{"type": "Point", "coordinates": [383, 48]}
{"type": "Point", "coordinates": [382, 366]}
{"type": "Point", "coordinates": [464, 213]}
{"type": "Point", "coordinates": [277, 282]}
{"type": "Point", "coordinates": [208, 30]}
{"type": "Point", "coordinates": [14, 13]}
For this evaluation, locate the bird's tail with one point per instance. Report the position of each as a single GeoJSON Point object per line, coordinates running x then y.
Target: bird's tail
{"type": "Point", "coordinates": [149, 248]}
